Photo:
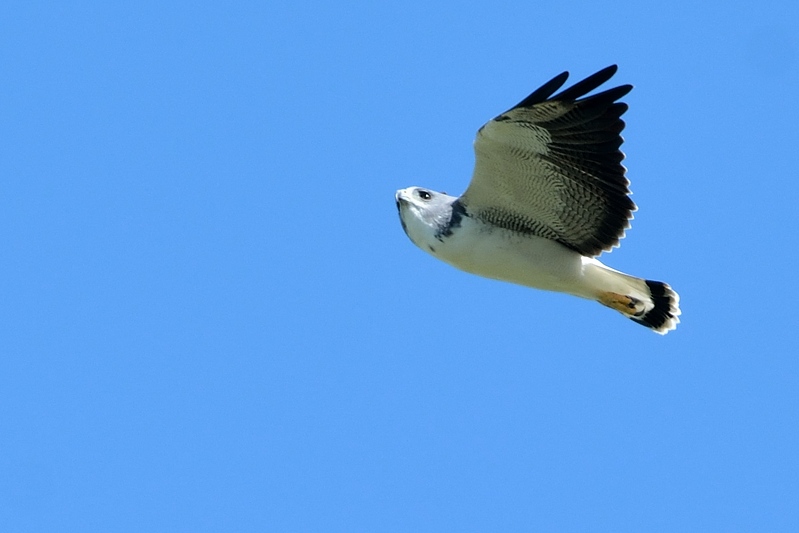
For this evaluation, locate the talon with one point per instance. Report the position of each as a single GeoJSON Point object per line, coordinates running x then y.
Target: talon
{"type": "Point", "coordinates": [619, 302]}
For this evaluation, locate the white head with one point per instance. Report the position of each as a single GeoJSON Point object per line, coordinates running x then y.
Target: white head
{"type": "Point", "coordinates": [426, 216]}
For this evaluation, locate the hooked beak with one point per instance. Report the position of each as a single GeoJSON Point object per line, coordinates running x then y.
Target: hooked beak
{"type": "Point", "coordinates": [399, 197]}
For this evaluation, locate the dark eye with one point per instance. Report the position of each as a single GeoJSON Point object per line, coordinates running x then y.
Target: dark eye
{"type": "Point", "coordinates": [424, 195]}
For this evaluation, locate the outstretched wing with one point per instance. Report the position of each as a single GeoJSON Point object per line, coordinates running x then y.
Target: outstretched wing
{"type": "Point", "coordinates": [551, 166]}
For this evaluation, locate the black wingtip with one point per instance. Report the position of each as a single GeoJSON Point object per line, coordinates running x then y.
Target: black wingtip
{"type": "Point", "coordinates": [545, 91]}
{"type": "Point", "coordinates": [576, 91]}
{"type": "Point", "coordinates": [587, 85]}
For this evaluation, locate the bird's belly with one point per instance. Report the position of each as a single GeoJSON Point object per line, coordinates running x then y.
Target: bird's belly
{"type": "Point", "coordinates": [516, 258]}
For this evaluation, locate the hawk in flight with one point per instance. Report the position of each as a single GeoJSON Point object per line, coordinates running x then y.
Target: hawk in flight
{"type": "Point", "coordinates": [548, 195]}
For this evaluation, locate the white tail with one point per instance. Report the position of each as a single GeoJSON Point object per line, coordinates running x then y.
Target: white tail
{"type": "Point", "coordinates": [650, 303]}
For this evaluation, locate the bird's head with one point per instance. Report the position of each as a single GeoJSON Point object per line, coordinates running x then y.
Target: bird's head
{"type": "Point", "coordinates": [425, 214]}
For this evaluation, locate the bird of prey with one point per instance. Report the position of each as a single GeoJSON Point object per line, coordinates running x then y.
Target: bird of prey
{"type": "Point", "coordinates": [548, 195]}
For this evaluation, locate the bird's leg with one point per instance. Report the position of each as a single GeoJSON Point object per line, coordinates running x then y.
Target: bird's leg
{"type": "Point", "coordinates": [626, 305]}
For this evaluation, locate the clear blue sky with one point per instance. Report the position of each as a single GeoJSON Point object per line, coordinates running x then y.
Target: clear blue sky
{"type": "Point", "coordinates": [212, 320]}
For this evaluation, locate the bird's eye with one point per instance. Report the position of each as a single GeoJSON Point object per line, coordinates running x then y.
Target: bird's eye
{"type": "Point", "coordinates": [424, 195]}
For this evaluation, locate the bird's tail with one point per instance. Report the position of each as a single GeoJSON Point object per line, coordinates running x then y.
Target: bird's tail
{"type": "Point", "coordinates": [650, 303]}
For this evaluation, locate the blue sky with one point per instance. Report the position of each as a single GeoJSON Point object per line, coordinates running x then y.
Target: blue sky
{"type": "Point", "coordinates": [212, 320]}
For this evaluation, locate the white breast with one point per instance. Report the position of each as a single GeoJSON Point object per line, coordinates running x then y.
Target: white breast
{"type": "Point", "coordinates": [497, 253]}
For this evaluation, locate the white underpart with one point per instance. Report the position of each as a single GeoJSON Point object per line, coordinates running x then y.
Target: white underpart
{"type": "Point", "coordinates": [526, 260]}
{"type": "Point", "coordinates": [497, 253]}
